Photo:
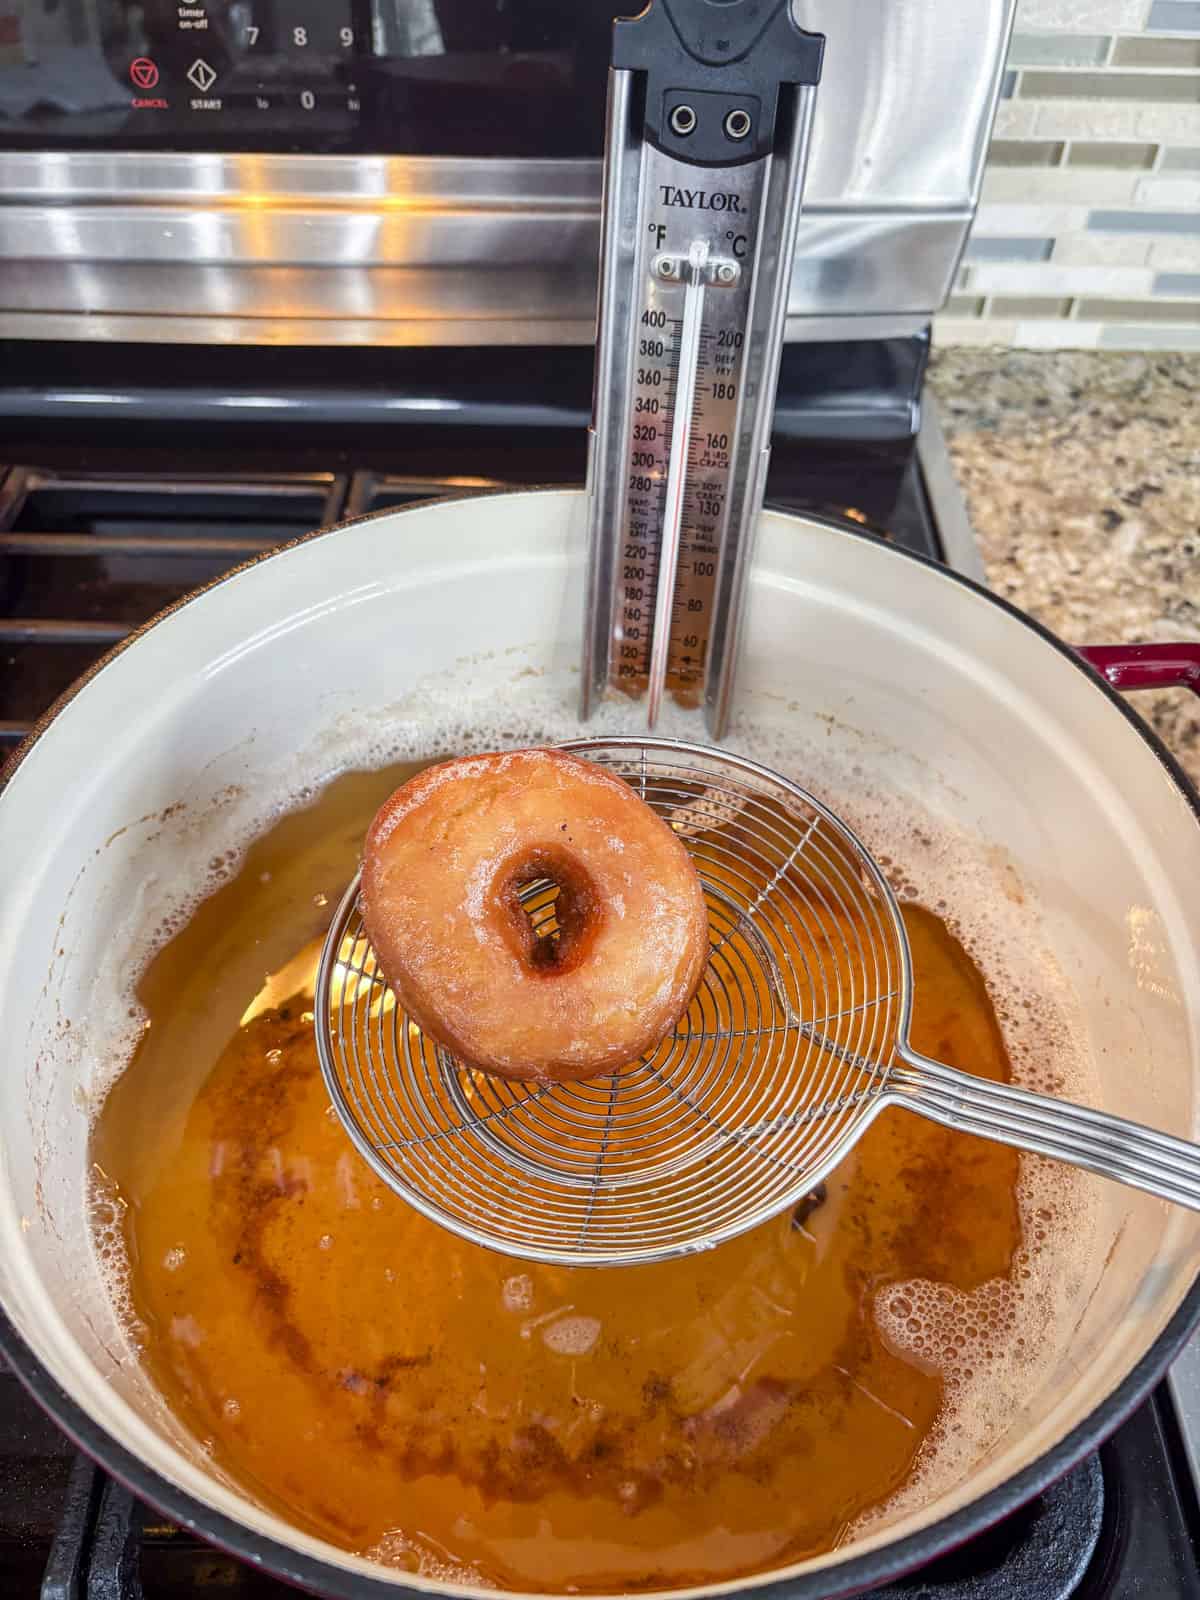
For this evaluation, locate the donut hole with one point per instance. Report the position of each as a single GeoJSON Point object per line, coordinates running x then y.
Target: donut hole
{"type": "Point", "coordinates": [551, 908]}
{"type": "Point", "coordinates": [539, 901]}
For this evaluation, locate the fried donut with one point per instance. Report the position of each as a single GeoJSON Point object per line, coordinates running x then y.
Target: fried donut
{"type": "Point", "coordinates": [445, 860]}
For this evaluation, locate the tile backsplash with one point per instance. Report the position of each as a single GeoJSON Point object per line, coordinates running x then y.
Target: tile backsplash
{"type": "Point", "coordinates": [1088, 233]}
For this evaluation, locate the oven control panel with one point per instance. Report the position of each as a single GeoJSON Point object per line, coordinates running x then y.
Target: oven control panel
{"type": "Point", "coordinates": [413, 77]}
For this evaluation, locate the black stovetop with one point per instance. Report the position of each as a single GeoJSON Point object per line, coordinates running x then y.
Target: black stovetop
{"type": "Point", "coordinates": [121, 499]}
{"type": "Point", "coordinates": [95, 536]}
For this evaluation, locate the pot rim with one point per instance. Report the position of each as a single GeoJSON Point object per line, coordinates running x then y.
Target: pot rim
{"type": "Point", "coordinates": [852, 1575]}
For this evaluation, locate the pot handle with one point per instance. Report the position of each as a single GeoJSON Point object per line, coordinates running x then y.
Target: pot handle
{"type": "Point", "coordinates": [1146, 666]}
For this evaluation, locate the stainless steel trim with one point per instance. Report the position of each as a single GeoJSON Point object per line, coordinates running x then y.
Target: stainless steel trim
{"type": "Point", "coordinates": [401, 183]}
{"type": "Point", "coordinates": [48, 630]}
{"type": "Point", "coordinates": [168, 329]}
{"type": "Point", "coordinates": [946, 497]}
{"type": "Point", "coordinates": [778, 243]}
{"type": "Point", "coordinates": [535, 244]}
{"type": "Point", "coordinates": [290, 233]}
{"type": "Point", "coordinates": [245, 249]}
{"type": "Point", "coordinates": [163, 327]}
{"type": "Point", "coordinates": [614, 356]}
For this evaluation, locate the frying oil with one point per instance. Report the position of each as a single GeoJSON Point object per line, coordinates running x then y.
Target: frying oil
{"type": "Point", "coordinates": [464, 1415]}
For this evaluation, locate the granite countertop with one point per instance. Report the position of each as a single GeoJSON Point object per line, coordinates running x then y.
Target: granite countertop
{"type": "Point", "coordinates": [1081, 472]}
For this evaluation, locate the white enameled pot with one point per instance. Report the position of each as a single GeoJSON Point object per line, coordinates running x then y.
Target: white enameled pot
{"type": "Point", "coordinates": [267, 679]}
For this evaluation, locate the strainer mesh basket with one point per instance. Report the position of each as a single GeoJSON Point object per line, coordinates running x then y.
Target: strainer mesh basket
{"type": "Point", "coordinates": [747, 1104]}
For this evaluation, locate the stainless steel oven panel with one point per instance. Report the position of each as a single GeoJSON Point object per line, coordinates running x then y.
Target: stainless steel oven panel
{"type": "Point", "coordinates": [247, 248]}
{"type": "Point", "coordinates": [496, 258]}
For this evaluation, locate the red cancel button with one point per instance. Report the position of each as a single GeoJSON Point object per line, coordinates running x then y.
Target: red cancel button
{"type": "Point", "coordinates": [143, 72]}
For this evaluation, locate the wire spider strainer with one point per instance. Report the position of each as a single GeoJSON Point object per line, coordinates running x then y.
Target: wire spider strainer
{"type": "Point", "coordinates": [795, 1041]}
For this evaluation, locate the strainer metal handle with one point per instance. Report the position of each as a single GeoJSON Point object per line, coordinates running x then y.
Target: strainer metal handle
{"type": "Point", "coordinates": [1141, 1157]}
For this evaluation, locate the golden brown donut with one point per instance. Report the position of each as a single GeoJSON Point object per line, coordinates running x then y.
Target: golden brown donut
{"type": "Point", "coordinates": [445, 858]}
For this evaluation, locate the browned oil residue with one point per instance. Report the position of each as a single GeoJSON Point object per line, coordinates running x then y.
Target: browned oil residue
{"type": "Point", "coordinates": [454, 1412]}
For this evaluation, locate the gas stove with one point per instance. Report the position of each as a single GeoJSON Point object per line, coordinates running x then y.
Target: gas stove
{"type": "Point", "coordinates": [125, 492]}
{"type": "Point", "coordinates": [98, 533]}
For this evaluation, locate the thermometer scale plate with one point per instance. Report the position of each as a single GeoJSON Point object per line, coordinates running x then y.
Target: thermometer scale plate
{"type": "Point", "coordinates": [670, 229]}
{"type": "Point", "coordinates": [694, 275]}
